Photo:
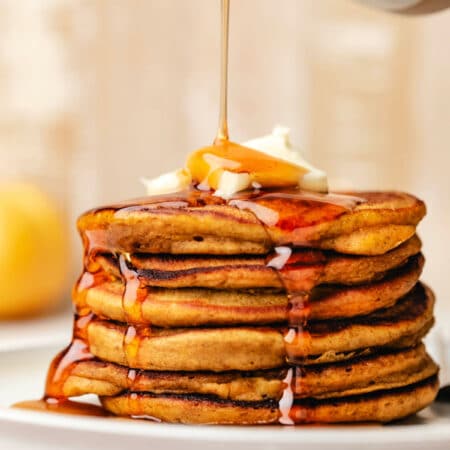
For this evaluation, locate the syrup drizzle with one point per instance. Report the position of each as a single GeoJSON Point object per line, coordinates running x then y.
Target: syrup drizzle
{"type": "Point", "coordinates": [86, 281]}
{"type": "Point", "coordinates": [222, 133]}
{"type": "Point", "coordinates": [134, 293]}
{"type": "Point", "coordinates": [297, 335]}
{"type": "Point", "coordinates": [130, 345]}
{"type": "Point", "coordinates": [63, 364]}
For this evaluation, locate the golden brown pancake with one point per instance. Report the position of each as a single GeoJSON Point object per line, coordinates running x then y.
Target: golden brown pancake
{"type": "Point", "coordinates": [252, 271]}
{"type": "Point", "coordinates": [198, 307]}
{"type": "Point", "coordinates": [253, 348]}
{"type": "Point", "coordinates": [409, 317]}
{"type": "Point", "coordinates": [378, 406]}
{"type": "Point", "coordinates": [382, 370]}
{"type": "Point", "coordinates": [382, 222]}
{"type": "Point", "coordinates": [359, 376]}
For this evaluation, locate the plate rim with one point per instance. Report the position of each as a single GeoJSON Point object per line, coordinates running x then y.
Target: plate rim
{"type": "Point", "coordinates": [347, 434]}
{"type": "Point", "coordinates": [400, 434]}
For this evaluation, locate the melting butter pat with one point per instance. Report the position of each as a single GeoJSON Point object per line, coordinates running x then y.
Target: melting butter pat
{"type": "Point", "coordinates": [167, 183]}
{"type": "Point", "coordinates": [228, 168]}
{"type": "Point", "coordinates": [231, 182]}
{"type": "Point", "coordinates": [278, 144]}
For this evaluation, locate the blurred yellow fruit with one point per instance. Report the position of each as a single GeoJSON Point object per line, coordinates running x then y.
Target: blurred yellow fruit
{"type": "Point", "coordinates": [33, 252]}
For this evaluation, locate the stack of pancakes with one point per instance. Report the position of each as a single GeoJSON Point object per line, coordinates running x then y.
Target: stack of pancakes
{"type": "Point", "coordinates": [186, 312]}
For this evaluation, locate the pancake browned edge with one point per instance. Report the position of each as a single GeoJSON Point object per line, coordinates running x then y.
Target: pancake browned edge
{"type": "Point", "coordinates": [252, 271]}
{"type": "Point", "coordinates": [199, 307]}
{"type": "Point", "coordinates": [384, 369]}
{"type": "Point", "coordinates": [384, 221]}
{"type": "Point", "coordinates": [356, 390]}
{"type": "Point", "coordinates": [245, 348]}
{"type": "Point", "coordinates": [380, 406]}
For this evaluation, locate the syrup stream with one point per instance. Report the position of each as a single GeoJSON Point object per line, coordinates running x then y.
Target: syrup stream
{"type": "Point", "coordinates": [222, 132]}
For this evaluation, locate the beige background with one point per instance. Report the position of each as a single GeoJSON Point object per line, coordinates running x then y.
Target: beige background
{"type": "Point", "coordinates": [95, 94]}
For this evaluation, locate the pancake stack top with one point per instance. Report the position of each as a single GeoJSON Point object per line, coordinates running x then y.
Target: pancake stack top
{"type": "Point", "coordinates": [273, 307]}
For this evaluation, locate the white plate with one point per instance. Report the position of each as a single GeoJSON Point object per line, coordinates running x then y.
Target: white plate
{"type": "Point", "coordinates": [22, 376]}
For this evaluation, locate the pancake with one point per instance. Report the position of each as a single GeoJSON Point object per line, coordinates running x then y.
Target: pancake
{"type": "Point", "coordinates": [378, 406]}
{"type": "Point", "coordinates": [409, 317]}
{"type": "Point", "coordinates": [198, 307]}
{"type": "Point", "coordinates": [382, 370]}
{"type": "Point", "coordinates": [381, 222]}
{"type": "Point", "coordinates": [362, 375]}
{"type": "Point", "coordinates": [252, 348]}
{"type": "Point", "coordinates": [247, 271]}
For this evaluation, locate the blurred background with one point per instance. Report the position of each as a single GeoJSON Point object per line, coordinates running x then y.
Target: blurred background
{"type": "Point", "coordinates": [97, 93]}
